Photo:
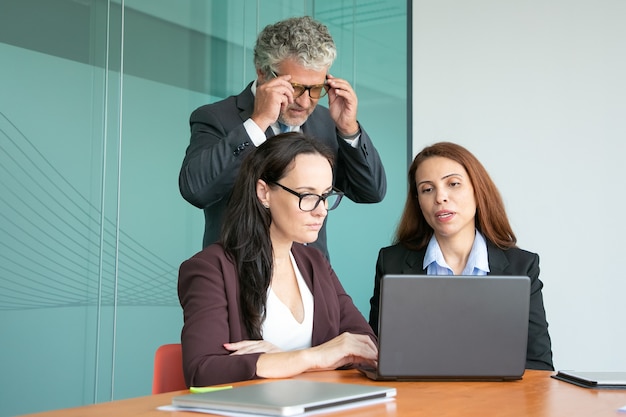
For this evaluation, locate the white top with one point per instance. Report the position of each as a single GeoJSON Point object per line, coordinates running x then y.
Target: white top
{"type": "Point", "coordinates": [280, 326]}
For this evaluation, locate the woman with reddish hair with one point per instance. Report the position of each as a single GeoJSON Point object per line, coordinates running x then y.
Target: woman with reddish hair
{"type": "Point", "coordinates": [454, 223]}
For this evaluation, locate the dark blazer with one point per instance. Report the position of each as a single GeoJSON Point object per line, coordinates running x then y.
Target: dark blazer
{"type": "Point", "coordinates": [219, 143]}
{"type": "Point", "coordinates": [398, 259]}
{"type": "Point", "coordinates": [208, 290]}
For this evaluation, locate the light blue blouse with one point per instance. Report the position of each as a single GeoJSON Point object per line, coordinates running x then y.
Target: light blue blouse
{"type": "Point", "coordinates": [477, 263]}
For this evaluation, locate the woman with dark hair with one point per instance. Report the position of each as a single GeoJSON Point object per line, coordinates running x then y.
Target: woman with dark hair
{"type": "Point", "coordinates": [260, 303]}
{"type": "Point", "coordinates": [454, 223]}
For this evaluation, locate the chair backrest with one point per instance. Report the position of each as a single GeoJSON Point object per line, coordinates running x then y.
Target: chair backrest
{"type": "Point", "coordinates": [168, 369]}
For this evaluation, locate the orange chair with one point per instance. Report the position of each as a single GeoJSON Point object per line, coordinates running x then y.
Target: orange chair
{"type": "Point", "coordinates": [168, 369]}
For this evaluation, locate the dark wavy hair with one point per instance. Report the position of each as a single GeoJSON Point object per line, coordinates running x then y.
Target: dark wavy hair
{"type": "Point", "coordinates": [491, 220]}
{"type": "Point", "coordinates": [245, 232]}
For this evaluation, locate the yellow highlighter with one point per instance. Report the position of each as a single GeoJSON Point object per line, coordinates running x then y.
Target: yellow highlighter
{"type": "Point", "coordinates": [197, 390]}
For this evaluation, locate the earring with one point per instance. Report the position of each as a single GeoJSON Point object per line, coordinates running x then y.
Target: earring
{"type": "Point", "coordinates": [266, 205]}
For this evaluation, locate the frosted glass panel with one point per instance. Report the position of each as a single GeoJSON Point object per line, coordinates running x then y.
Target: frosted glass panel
{"type": "Point", "coordinates": [94, 117]}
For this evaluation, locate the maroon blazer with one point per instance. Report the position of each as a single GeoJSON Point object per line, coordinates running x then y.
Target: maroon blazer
{"type": "Point", "coordinates": [208, 290]}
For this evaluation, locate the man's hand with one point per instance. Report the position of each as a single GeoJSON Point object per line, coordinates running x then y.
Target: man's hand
{"type": "Point", "coordinates": [342, 103]}
{"type": "Point", "coordinates": [272, 97]}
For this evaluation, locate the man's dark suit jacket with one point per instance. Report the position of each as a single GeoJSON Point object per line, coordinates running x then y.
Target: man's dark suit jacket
{"type": "Point", "coordinates": [398, 259]}
{"type": "Point", "coordinates": [208, 289]}
{"type": "Point", "coordinates": [219, 142]}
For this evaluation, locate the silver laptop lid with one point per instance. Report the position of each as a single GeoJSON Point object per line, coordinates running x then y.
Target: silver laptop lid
{"type": "Point", "coordinates": [453, 327]}
{"type": "Point", "coordinates": [284, 397]}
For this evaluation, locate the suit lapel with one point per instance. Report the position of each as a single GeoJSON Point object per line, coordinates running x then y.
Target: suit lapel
{"type": "Point", "coordinates": [311, 126]}
{"type": "Point", "coordinates": [498, 263]}
{"type": "Point", "coordinates": [245, 103]}
{"type": "Point", "coordinates": [414, 262]}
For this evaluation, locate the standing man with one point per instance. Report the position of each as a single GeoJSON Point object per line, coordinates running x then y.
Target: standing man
{"type": "Point", "coordinates": [292, 58]}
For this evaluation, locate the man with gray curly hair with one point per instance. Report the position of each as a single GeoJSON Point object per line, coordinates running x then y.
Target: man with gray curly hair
{"type": "Point", "coordinates": [292, 58]}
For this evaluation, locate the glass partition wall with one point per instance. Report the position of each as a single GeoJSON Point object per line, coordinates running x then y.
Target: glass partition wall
{"type": "Point", "coordinates": [95, 97]}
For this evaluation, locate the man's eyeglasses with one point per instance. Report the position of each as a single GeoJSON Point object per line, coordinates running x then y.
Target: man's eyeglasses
{"type": "Point", "coordinates": [315, 91]}
{"type": "Point", "coordinates": [309, 201]}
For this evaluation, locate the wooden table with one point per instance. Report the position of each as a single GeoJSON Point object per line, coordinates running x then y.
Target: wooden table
{"type": "Point", "coordinates": [535, 395]}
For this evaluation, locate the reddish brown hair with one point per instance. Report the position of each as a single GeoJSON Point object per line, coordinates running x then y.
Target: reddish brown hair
{"type": "Point", "coordinates": [491, 219]}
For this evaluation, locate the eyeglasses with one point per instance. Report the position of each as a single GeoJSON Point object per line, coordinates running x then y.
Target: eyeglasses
{"type": "Point", "coordinates": [309, 201]}
{"type": "Point", "coordinates": [315, 91]}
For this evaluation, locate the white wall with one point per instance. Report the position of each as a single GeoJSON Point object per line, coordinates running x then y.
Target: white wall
{"type": "Point", "coordinates": [536, 90]}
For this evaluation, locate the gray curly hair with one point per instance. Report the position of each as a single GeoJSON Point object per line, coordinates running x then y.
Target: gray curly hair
{"type": "Point", "coordinates": [301, 38]}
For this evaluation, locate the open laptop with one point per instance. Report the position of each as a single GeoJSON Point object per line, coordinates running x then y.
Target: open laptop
{"type": "Point", "coordinates": [452, 328]}
{"type": "Point", "coordinates": [284, 397]}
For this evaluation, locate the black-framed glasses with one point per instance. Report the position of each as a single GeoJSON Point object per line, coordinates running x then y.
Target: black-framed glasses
{"type": "Point", "coordinates": [316, 91]}
{"type": "Point", "coordinates": [310, 201]}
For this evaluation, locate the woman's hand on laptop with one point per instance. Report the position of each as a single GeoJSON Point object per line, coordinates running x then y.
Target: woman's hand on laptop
{"type": "Point", "coordinates": [345, 349]}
